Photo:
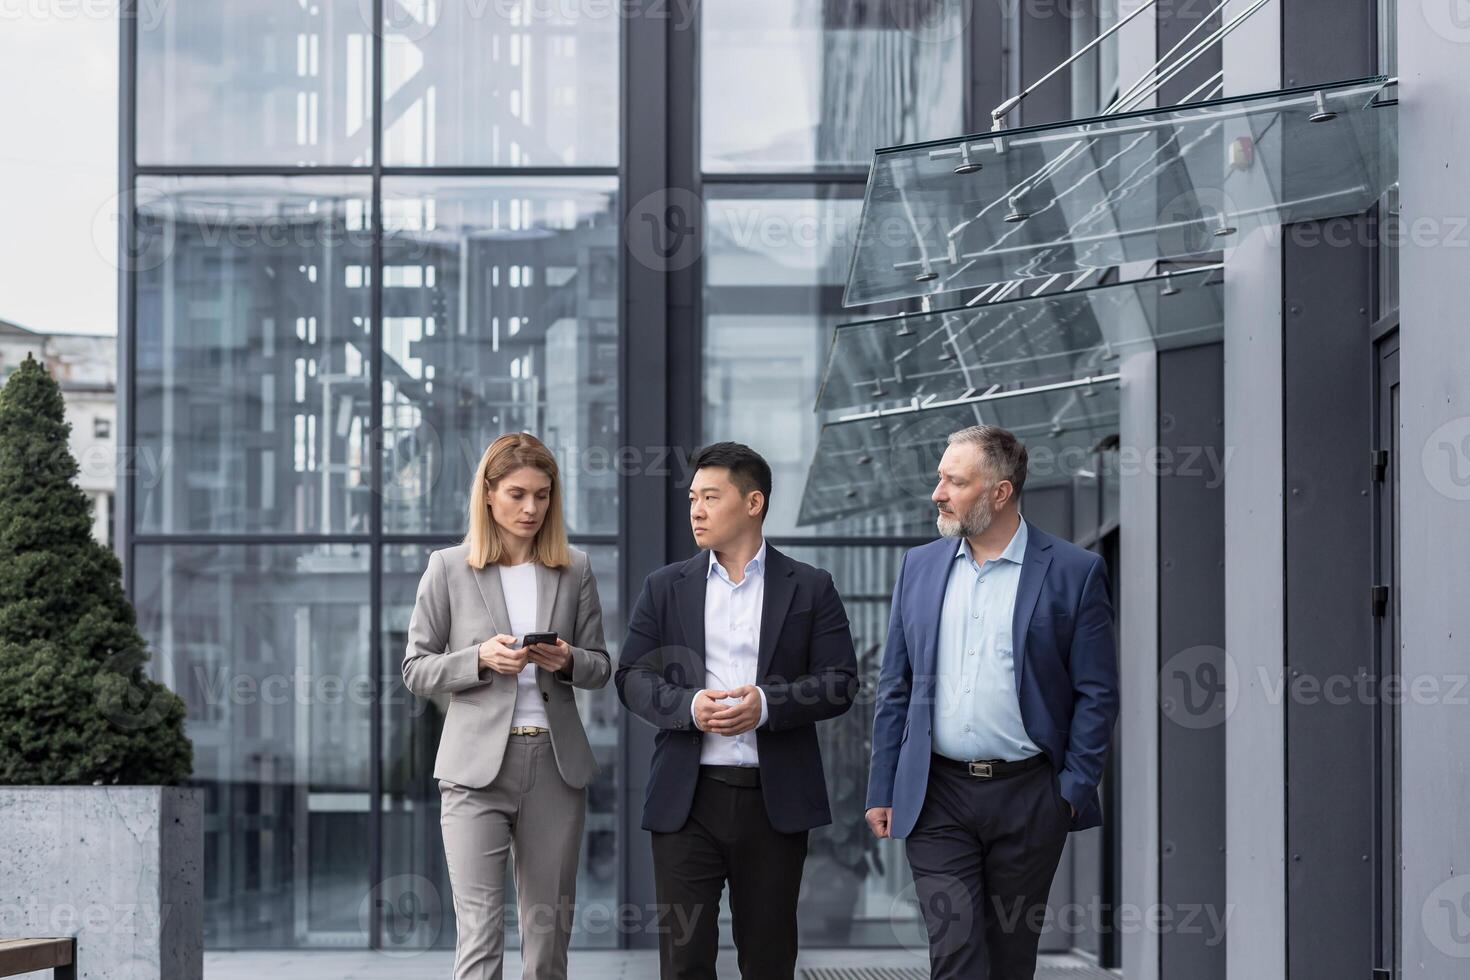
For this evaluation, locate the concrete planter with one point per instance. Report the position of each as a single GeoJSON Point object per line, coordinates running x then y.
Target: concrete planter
{"type": "Point", "coordinates": [119, 867]}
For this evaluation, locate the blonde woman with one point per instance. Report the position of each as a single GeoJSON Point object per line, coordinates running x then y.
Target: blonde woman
{"type": "Point", "coordinates": [514, 761]}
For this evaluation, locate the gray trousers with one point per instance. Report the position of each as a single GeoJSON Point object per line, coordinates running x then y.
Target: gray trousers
{"type": "Point", "coordinates": [528, 810]}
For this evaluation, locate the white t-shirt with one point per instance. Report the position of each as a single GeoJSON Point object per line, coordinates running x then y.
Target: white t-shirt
{"type": "Point", "coordinates": [518, 583]}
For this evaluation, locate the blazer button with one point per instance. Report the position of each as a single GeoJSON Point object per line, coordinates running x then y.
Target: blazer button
{"type": "Point", "coordinates": [545, 696]}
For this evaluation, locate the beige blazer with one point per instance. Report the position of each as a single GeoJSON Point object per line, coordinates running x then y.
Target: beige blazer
{"type": "Point", "coordinates": [456, 609]}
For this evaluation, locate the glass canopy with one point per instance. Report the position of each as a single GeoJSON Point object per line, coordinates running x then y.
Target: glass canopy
{"type": "Point", "coordinates": [1021, 341]}
{"type": "Point", "coordinates": [877, 460]}
{"type": "Point", "coordinates": [1097, 193]}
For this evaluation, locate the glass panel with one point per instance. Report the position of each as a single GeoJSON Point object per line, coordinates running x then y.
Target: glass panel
{"type": "Point", "coordinates": [1388, 36]}
{"type": "Point", "coordinates": [857, 890]}
{"type": "Point", "coordinates": [1390, 221]}
{"type": "Point", "coordinates": [1162, 183]}
{"type": "Point", "coordinates": [418, 909]}
{"type": "Point", "coordinates": [252, 357]}
{"type": "Point", "coordinates": [499, 315]}
{"type": "Point", "coordinates": [265, 82]}
{"type": "Point", "coordinates": [800, 85]}
{"type": "Point", "coordinates": [1029, 340]}
{"type": "Point", "coordinates": [875, 463]}
{"type": "Point", "coordinates": [512, 83]}
{"type": "Point", "coordinates": [774, 260]}
{"type": "Point", "coordinates": [269, 647]}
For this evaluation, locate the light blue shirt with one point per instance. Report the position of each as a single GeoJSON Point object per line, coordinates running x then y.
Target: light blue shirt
{"type": "Point", "coordinates": [977, 714]}
{"type": "Point", "coordinates": [732, 635]}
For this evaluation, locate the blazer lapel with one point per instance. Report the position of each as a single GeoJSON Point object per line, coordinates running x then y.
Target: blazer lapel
{"type": "Point", "coordinates": [689, 600]}
{"type": "Point", "coordinates": [1028, 590]}
{"type": "Point", "coordinates": [935, 582]}
{"type": "Point", "coordinates": [547, 579]}
{"type": "Point", "coordinates": [488, 581]}
{"type": "Point", "coordinates": [780, 586]}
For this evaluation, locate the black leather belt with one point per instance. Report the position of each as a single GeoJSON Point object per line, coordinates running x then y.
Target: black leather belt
{"type": "Point", "coordinates": [745, 776]}
{"type": "Point", "coordinates": [991, 768]}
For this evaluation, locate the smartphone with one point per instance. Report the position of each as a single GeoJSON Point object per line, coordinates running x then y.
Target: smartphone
{"type": "Point", "coordinates": [531, 639]}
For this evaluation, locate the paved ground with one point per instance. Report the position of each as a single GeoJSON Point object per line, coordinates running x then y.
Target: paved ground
{"type": "Point", "coordinates": [589, 965]}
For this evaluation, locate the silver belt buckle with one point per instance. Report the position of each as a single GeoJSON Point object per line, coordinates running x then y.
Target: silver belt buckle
{"type": "Point", "coordinates": [980, 769]}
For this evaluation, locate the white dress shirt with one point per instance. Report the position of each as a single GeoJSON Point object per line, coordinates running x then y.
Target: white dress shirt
{"type": "Point", "coordinates": [977, 712]}
{"type": "Point", "coordinates": [732, 631]}
{"type": "Point", "coordinates": [518, 584]}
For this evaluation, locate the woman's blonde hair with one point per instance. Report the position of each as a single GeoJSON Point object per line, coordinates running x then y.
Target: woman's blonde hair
{"type": "Point", "coordinates": [506, 455]}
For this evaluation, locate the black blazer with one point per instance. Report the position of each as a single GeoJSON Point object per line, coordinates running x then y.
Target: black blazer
{"type": "Point", "coordinates": [806, 666]}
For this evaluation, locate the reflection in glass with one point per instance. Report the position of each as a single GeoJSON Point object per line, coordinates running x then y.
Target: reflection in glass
{"type": "Point", "coordinates": [499, 315]}
{"type": "Point", "coordinates": [265, 82]}
{"type": "Point", "coordinates": [856, 889]}
{"type": "Point", "coordinates": [1019, 340]}
{"type": "Point", "coordinates": [812, 84]}
{"type": "Point", "coordinates": [269, 646]}
{"type": "Point", "coordinates": [774, 263]}
{"type": "Point", "coordinates": [413, 845]}
{"type": "Point", "coordinates": [1097, 193]}
{"type": "Point", "coordinates": [252, 354]}
{"type": "Point", "coordinates": [509, 84]}
{"type": "Point", "coordinates": [874, 462]}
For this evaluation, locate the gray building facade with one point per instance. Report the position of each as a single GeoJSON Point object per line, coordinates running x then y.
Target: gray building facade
{"type": "Point", "coordinates": [369, 237]}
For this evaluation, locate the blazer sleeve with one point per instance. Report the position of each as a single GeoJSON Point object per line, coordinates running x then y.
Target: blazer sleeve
{"type": "Point", "coordinates": [1094, 670]}
{"type": "Point", "coordinates": [427, 667]}
{"type": "Point", "coordinates": [591, 665]}
{"type": "Point", "coordinates": [641, 684]}
{"type": "Point", "coordinates": [891, 710]}
{"type": "Point", "coordinates": [831, 682]}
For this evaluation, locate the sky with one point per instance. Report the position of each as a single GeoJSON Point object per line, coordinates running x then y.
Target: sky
{"type": "Point", "coordinates": [58, 165]}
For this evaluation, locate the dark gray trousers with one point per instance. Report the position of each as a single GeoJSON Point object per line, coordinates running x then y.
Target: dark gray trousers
{"type": "Point", "coordinates": [983, 855]}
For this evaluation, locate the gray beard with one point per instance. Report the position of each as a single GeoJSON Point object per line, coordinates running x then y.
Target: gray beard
{"type": "Point", "coordinates": [972, 525]}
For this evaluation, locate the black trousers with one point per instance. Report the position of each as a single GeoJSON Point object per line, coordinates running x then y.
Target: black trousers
{"type": "Point", "coordinates": [728, 837]}
{"type": "Point", "coordinates": [983, 855]}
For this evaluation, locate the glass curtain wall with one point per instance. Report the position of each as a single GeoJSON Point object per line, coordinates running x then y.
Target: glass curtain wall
{"type": "Point", "coordinates": [795, 95]}
{"type": "Point", "coordinates": [367, 238]}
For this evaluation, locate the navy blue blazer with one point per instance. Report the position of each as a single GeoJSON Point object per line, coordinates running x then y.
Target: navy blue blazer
{"type": "Point", "coordinates": [805, 665]}
{"type": "Point", "coordinates": [1066, 673]}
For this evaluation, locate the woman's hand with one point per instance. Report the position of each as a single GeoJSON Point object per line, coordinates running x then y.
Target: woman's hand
{"type": "Point", "coordinates": [497, 654]}
{"type": "Point", "coordinates": [553, 657]}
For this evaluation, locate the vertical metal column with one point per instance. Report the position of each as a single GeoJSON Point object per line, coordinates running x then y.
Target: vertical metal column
{"type": "Point", "coordinates": [1328, 434]}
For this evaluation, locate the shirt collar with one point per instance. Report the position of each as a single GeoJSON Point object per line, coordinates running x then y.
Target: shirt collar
{"type": "Point", "coordinates": [1015, 551]}
{"type": "Point", "coordinates": [756, 566]}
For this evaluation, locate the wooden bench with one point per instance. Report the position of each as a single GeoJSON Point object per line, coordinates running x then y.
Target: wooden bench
{"type": "Point", "coordinates": [19, 956]}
